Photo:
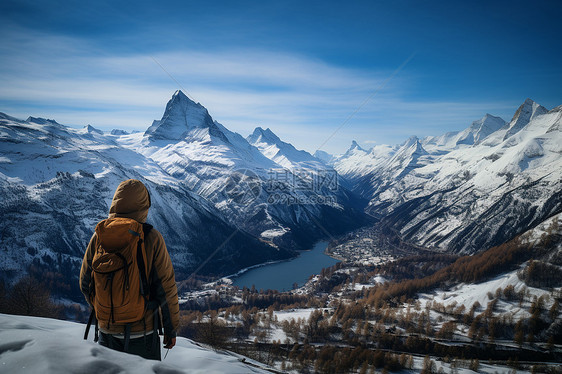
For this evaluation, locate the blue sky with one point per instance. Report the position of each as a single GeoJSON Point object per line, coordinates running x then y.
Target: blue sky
{"type": "Point", "coordinates": [300, 68]}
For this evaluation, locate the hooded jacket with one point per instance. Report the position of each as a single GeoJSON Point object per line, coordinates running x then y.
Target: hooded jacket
{"type": "Point", "coordinates": [132, 200]}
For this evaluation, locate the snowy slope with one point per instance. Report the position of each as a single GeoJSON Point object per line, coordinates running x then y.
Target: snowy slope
{"type": "Point", "coordinates": [48, 346]}
{"type": "Point", "coordinates": [57, 183]}
{"type": "Point", "coordinates": [467, 294]}
{"type": "Point", "coordinates": [357, 162]}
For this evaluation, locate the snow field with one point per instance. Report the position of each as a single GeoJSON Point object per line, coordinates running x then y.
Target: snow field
{"type": "Point", "coordinates": [47, 346]}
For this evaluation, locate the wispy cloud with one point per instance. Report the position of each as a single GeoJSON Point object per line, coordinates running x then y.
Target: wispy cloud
{"type": "Point", "coordinates": [300, 98]}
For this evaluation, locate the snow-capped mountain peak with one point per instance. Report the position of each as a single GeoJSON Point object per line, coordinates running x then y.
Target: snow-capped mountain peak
{"type": "Point", "coordinates": [89, 129]}
{"type": "Point", "coordinates": [39, 120]}
{"type": "Point", "coordinates": [353, 149]}
{"type": "Point", "coordinates": [407, 157]}
{"type": "Point", "coordinates": [324, 156]}
{"type": "Point", "coordinates": [282, 153]}
{"type": "Point", "coordinates": [528, 111]}
{"type": "Point", "coordinates": [480, 129]}
{"type": "Point", "coordinates": [355, 145]}
{"type": "Point", "coordinates": [413, 141]}
{"type": "Point", "coordinates": [118, 132]}
{"type": "Point", "coordinates": [357, 162]}
{"type": "Point", "coordinates": [181, 115]}
{"type": "Point", "coordinates": [261, 135]}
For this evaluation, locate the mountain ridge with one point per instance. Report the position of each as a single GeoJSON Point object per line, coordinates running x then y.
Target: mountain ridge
{"type": "Point", "coordinates": [458, 195]}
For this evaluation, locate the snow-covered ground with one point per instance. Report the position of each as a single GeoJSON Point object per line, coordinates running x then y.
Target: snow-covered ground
{"type": "Point", "coordinates": [295, 314]}
{"type": "Point", "coordinates": [461, 367]}
{"type": "Point", "coordinates": [48, 346]}
{"type": "Point", "coordinates": [468, 294]}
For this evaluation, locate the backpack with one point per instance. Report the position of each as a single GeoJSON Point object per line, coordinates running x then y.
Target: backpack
{"type": "Point", "coordinates": [119, 286]}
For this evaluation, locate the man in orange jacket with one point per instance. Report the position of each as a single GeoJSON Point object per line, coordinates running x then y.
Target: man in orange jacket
{"type": "Point", "coordinates": [132, 200]}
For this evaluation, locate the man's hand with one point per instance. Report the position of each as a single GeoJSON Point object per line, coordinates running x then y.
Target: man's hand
{"type": "Point", "coordinates": [169, 343]}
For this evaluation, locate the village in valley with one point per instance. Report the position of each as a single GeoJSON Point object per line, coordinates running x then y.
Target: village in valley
{"type": "Point", "coordinates": [382, 311]}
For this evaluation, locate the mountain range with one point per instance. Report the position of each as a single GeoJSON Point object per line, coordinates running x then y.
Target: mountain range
{"type": "Point", "coordinates": [224, 202]}
{"type": "Point", "coordinates": [220, 203]}
{"type": "Point", "coordinates": [464, 191]}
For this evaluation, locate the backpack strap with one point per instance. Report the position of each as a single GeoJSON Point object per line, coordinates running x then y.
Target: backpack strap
{"type": "Point", "coordinates": [152, 304]}
{"type": "Point", "coordinates": [140, 262]}
{"type": "Point", "coordinates": [127, 337]}
{"type": "Point", "coordinates": [146, 227]}
{"type": "Point", "coordinates": [91, 319]}
{"type": "Point", "coordinates": [156, 329]}
{"type": "Point", "coordinates": [96, 332]}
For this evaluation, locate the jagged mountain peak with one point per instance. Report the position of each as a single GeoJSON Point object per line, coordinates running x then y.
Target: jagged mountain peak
{"type": "Point", "coordinates": [180, 98]}
{"type": "Point", "coordinates": [41, 121]}
{"type": "Point", "coordinates": [119, 132]}
{"type": "Point", "coordinates": [489, 121]}
{"type": "Point", "coordinates": [354, 147]}
{"type": "Point", "coordinates": [180, 95]}
{"type": "Point", "coordinates": [91, 129]}
{"type": "Point", "coordinates": [529, 101]}
{"type": "Point", "coordinates": [412, 141]}
{"type": "Point", "coordinates": [530, 107]}
{"type": "Point", "coordinates": [278, 151]}
{"type": "Point", "coordinates": [480, 129]}
{"type": "Point", "coordinates": [524, 114]}
{"type": "Point", "coordinates": [487, 117]}
{"type": "Point", "coordinates": [181, 115]}
{"type": "Point", "coordinates": [412, 149]}
{"type": "Point", "coordinates": [266, 136]}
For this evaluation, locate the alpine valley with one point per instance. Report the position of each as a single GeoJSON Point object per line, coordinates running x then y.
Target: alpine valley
{"type": "Point", "coordinates": [224, 202]}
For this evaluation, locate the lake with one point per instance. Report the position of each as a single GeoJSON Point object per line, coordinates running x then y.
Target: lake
{"type": "Point", "coordinates": [282, 275]}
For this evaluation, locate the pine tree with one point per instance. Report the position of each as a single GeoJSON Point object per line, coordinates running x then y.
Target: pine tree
{"type": "Point", "coordinates": [519, 336]}
{"type": "Point", "coordinates": [553, 312]}
{"type": "Point", "coordinates": [474, 365]}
